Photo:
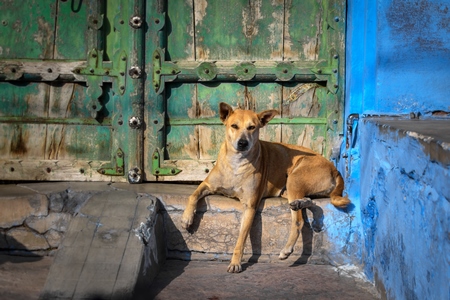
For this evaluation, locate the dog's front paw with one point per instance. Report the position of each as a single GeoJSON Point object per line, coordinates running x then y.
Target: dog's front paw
{"type": "Point", "coordinates": [187, 219]}
{"type": "Point", "coordinates": [301, 203]}
{"type": "Point", "coordinates": [234, 268]}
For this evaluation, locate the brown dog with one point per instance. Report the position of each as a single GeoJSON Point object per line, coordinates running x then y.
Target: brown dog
{"type": "Point", "coordinates": [250, 169]}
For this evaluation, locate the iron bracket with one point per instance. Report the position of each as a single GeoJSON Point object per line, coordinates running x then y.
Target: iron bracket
{"type": "Point", "coordinates": [95, 67]}
{"type": "Point", "coordinates": [157, 170]}
{"type": "Point", "coordinates": [161, 68]}
{"type": "Point", "coordinates": [329, 71]}
{"type": "Point", "coordinates": [118, 168]}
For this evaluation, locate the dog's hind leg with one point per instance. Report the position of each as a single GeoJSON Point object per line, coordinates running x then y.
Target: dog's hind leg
{"type": "Point", "coordinates": [296, 192]}
{"type": "Point", "coordinates": [296, 226]}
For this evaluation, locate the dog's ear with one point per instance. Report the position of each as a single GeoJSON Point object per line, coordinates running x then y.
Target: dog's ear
{"type": "Point", "coordinates": [225, 111]}
{"type": "Point", "coordinates": [266, 116]}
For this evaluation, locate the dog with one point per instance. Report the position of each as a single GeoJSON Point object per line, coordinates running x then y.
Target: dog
{"type": "Point", "coordinates": [251, 169]}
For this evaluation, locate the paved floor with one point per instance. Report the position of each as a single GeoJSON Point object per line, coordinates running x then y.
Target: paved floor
{"type": "Point", "coordinates": [23, 277]}
{"type": "Point", "coordinates": [209, 280]}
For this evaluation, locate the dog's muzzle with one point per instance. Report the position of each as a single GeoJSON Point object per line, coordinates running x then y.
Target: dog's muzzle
{"type": "Point", "coordinates": [242, 145]}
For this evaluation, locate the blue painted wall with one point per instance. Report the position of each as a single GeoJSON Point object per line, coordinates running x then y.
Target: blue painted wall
{"type": "Point", "coordinates": [405, 213]}
{"type": "Point", "coordinates": [398, 62]}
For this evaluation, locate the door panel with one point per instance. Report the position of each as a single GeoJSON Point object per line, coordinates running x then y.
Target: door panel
{"type": "Point", "coordinates": [284, 55]}
{"type": "Point", "coordinates": [71, 82]}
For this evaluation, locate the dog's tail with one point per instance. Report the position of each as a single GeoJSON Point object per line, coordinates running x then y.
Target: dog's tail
{"type": "Point", "coordinates": [336, 195]}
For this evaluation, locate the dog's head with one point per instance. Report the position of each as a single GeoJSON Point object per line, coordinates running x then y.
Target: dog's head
{"type": "Point", "coordinates": [242, 126]}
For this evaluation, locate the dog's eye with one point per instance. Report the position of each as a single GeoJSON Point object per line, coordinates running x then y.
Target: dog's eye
{"type": "Point", "coordinates": [234, 126]}
{"type": "Point", "coordinates": [251, 127]}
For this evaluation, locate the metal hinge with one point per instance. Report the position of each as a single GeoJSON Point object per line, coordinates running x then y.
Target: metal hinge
{"type": "Point", "coordinates": [157, 170]}
{"type": "Point", "coordinates": [116, 167]}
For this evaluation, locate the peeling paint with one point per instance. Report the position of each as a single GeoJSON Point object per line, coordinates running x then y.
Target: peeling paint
{"type": "Point", "coordinates": [275, 28]}
{"type": "Point", "coordinates": [250, 17]}
{"type": "Point", "coordinates": [288, 54]}
{"type": "Point", "coordinates": [305, 138]}
{"type": "Point", "coordinates": [310, 50]}
{"type": "Point", "coordinates": [44, 37]}
{"type": "Point", "coordinates": [191, 147]}
{"type": "Point", "coordinates": [200, 10]}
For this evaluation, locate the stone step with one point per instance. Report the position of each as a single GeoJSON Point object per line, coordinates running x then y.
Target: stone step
{"type": "Point", "coordinates": [216, 227]}
{"type": "Point", "coordinates": [119, 234]}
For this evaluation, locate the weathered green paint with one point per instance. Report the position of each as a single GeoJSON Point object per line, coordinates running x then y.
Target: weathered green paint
{"type": "Point", "coordinates": [285, 55]}
{"type": "Point", "coordinates": [68, 95]}
{"type": "Point", "coordinates": [57, 112]}
{"type": "Point", "coordinates": [31, 35]}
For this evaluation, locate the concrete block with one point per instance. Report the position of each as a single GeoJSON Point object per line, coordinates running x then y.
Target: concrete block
{"type": "Point", "coordinates": [14, 211]}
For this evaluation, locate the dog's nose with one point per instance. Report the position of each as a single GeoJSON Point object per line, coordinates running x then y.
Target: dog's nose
{"type": "Point", "coordinates": [242, 144]}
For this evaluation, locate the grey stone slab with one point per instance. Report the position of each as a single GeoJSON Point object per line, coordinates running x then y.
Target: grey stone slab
{"type": "Point", "coordinates": [61, 288]}
{"type": "Point", "coordinates": [157, 188]}
{"type": "Point", "coordinates": [95, 206]}
{"type": "Point", "coordinates": [110, 238]}
{"type": "Point", "coordinates": [81, 232]}
{"type": "Point", "coordinates": [13, 191]}
{"type": "Point", "coordinates": [72, 255]}
{"type": "Point", "coordinates": [69, 270]}
{"type": "Point", "coordinates": [54, 187]}
{"type": "Point", "coordinates": [105, 255]}
{"type": "Point", "coordinates": [94, 289]}
{"type": "Point", "coordinates": [100, 271]}
{"type": "Point", "coordinates": [120, 209]}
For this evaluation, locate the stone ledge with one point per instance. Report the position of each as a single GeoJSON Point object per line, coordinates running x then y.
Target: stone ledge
{"type": "Point", "coordinates": [433, 134]}
{"type": "Point", "coordinates": [216, 226]}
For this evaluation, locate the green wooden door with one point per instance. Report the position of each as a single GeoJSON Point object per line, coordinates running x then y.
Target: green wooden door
{"type": "Point", "coordinates": [129, 90]}
{"type": "Point", "coordinates": [71, 100]}
{"type": "Point", "coordinates": [287, 55]}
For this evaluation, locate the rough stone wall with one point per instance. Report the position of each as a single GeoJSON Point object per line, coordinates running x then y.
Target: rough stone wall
{"type": "Point", "coordinates": [36, 223]}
